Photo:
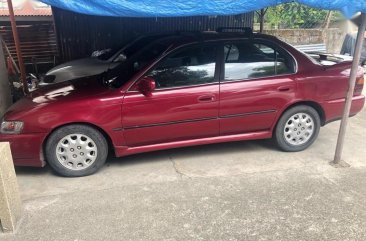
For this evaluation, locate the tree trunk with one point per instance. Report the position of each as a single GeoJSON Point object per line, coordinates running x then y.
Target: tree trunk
{"type": "Point", "coordinates": [261, 23]}
{"type": "Point", "coordinates": [327, 20]}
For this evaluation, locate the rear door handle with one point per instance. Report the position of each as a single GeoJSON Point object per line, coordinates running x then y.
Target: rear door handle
{"type": "Point", "coordinates": [284, 88]}
{"type": "Point", "coordinates": [206, 98]}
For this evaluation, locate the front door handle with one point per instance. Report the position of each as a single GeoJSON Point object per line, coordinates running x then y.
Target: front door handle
{"type": "Point", "coordinates": [206, 98]}
{"type": "Point", "coordinates": [284, 88]}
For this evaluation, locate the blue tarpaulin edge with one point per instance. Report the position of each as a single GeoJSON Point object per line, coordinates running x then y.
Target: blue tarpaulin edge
{"type": "Point", "coordinates": [179, 8]}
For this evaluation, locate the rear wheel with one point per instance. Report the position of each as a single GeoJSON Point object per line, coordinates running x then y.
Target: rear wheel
{"type": "Point", "coordinates": [76, 150]}
{"type": "Point", "coordinates": [297, 128]}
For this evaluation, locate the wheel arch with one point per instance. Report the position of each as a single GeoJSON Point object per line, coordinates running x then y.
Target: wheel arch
{"type": "Point", "coordinates": [101, 130]}
{"type": "Point", "coordinates": [319, 109]}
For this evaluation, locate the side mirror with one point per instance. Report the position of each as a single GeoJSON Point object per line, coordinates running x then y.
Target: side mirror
{"type": "Point", "coordinates": [146, 86]}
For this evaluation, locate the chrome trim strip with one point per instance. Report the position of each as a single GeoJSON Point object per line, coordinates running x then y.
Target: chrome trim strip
{"type": "Point", "coordinates": [170, 123]}
{"type": "Point", "coordinates": [199, 119]}
{"type": "Point", "coordinates": [117, 129]}
{"type": "Point", "coordinates": [247, 113]}
{"type": "Point", "coordinates": [254, 79]}
{"type": "Point", "coordinates": [179, 87]}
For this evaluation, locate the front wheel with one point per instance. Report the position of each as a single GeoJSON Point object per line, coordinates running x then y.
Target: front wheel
{"type": "Point", "coordinates": [297, 128]}
{"type": "Point", "coordinates": [76, 150]}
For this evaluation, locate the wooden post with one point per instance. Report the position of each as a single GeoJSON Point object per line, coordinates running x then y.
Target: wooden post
{"type": "Point", "coordinates": [5, 95]}
{"type": "Point", "coordinates": [17, 46]}
{"type": "Point", "coordinates": [352, 81]}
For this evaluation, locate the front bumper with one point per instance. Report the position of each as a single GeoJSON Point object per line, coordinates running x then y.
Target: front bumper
{"type": "Point", "coordinates": [26, 149]}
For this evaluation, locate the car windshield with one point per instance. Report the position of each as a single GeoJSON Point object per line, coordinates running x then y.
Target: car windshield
{"type": "Point", "coordinates": [138, 61]}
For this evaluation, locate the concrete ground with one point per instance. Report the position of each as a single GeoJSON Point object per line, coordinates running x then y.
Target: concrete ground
{"type": "Point", "coordinates": [232, 191]}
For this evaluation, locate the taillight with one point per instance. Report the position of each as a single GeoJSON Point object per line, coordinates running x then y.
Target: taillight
{"type": "Point", "coordinates": [360, 81]}
{"type": "Point", "coordinates": [359, 85]}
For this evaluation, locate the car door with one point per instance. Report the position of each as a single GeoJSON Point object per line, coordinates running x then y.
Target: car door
{"type": "Point", "coordinates": [184, 104]}
{"type": "Point", "coordinates": [257, 81]}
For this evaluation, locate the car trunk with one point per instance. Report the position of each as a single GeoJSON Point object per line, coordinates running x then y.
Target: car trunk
{"type": "Point", "coordinates": [326, 59]}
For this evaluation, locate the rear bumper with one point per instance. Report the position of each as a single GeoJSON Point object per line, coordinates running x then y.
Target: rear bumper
{"type": "Point", "coordinates": [26, 149]}
{"type": "Point", "coordinates": [334, 109]}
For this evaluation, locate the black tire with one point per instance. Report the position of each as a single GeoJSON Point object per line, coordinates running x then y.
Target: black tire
{"type": "Point", "coordinates": [77, 129]}
{"type": "Point", "coordinates": [279, 133]}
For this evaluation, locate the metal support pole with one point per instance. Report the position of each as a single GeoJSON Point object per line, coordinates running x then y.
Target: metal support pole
{"type": "Point", "coordinates": [17, 46]}
{"type": "Point", "coordinates": [351, 87]}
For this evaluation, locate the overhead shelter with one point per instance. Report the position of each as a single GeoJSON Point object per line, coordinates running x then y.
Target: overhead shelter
{"type": "Point", "coordinates": [176, 8]}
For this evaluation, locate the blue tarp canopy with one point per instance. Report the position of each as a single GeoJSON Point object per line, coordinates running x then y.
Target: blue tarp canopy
{"type": "Point", "coordinates": [177, 8]}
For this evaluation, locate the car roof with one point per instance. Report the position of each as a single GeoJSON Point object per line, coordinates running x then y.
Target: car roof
{"type": "Point", "coordinates": [186, 37]}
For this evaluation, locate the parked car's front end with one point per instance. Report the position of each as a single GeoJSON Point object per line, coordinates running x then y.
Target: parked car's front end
{"type": "Point", "coordinates": [28, 123]}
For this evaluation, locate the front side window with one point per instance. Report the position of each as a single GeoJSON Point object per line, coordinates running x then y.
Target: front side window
{"type": "Point", "coordinates": [137, 61]}
{"type": "Point", "coordinates": [247, 60]}
{"type": "Point", "coordinates": [186, 67]}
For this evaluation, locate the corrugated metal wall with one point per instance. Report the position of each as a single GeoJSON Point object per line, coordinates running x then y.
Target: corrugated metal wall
{"type": "Point", "coordinates": [78, 35]}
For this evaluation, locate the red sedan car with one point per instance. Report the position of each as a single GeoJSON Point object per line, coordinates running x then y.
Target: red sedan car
{"type": "Point", "coordinates": [181, 90]}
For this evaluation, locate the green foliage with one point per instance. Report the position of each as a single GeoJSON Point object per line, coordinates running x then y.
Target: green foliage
{"type": "Point", "coordinates": [295, 15]}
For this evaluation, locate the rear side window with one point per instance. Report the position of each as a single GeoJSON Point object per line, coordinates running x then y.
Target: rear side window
{"type": "Point", "coordinates": [186, 67]}
{"type": "Point", "coordinates": [255, 60]}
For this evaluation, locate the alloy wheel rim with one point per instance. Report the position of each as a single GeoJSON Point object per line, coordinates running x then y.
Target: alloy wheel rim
{"type": "Point", "coordinates": [76, 151]}
{"type": "Point", "coordinates": [299, 128]}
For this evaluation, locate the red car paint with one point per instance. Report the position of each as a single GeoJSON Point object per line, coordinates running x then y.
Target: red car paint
{"type": "Point", "coordinates": [182, 116]}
